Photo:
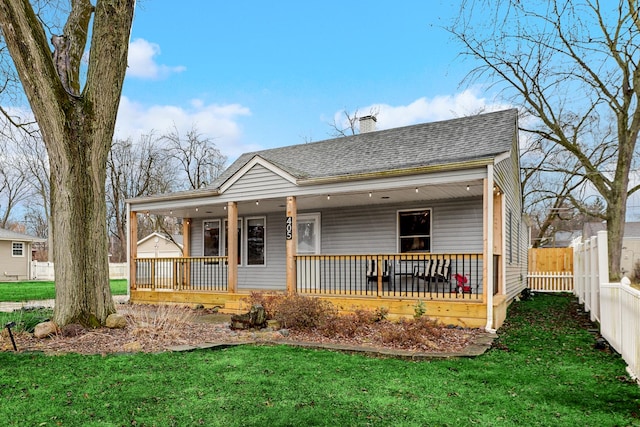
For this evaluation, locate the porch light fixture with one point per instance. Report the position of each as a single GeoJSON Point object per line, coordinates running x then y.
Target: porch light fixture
{"type": "Point", "coordinates": [170, 212]}
{"type": "Point", "coordinates": [328, 196]}
{"type": "Point", "coordinates": [417, 190]}
{"type": "Point", "coordinates": [370, 194]}
{"type": "Point", "coordinates": [257, 202]}
{"type": "Point", "coordinates": [196, 209]}
{"type": "Point", "coordinates": [224, 207]}
{"type": "Point", "coordinates": [467, 187]}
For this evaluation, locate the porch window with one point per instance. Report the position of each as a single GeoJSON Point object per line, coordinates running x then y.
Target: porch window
{"type": "Point", "coordinates": [211, 238]}
{"type": "Point", "coordinates": [414, 230]}
{"type": "Point", "coordinates": [226, 242]}
{"type": "Point", "coordinates": [255, 241]}
{"type": "Point", "coordinates": [17, 249]}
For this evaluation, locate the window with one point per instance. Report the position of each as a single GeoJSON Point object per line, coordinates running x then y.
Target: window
{"type": "Point", "coordinates": [17, 249]}
{"type": "Point", "coordinates": [211, 238]}
{"type": "Point", "coordinates": [309, 234]}
{"type": "Point", "coordinates": [510, 237]}
{"type": "Point", "coordinates": [255, 241]}
{"type": "Point", "coordinates": [226, 243]}
{"type": "Point", "coordinates": [414, 231]}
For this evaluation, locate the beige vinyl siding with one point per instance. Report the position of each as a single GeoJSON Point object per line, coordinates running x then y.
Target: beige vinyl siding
{"type": "Point", "coordinates": [14, 265]}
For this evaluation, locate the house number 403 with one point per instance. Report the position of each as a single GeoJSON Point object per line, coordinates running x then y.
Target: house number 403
{"type": "Point", "coordinates": [289, 228]}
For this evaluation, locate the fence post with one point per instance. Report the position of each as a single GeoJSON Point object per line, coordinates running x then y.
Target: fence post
{"type": "Point", "coordinates": [603, 267]}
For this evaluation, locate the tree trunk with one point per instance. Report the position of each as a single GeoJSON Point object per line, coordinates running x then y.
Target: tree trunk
{"type": "Point", "coordinates": [77, 128]}
{"type": "Point", "coordinates": [83, 294]}
{"type": "Point", "coordinates": [616, 212]}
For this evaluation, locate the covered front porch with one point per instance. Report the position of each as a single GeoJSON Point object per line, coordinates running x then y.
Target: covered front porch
{"type": "Point", "coordinates": [455, 287]}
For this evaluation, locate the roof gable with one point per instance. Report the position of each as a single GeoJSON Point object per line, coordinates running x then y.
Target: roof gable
{"type": "Point", "coordinates": [456, 141]}
{"type": "Point", "coordinates": [256, 160]}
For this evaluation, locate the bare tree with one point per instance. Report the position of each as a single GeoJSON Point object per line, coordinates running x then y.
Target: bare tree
{"type": "Point", "coordinates": [76, 117]}
{"type": "Point", "coordinates": [573, 68]}
{"type": "Point", "coordinates": [13, 188]}
{"type": "Point", "coordinates": [196, 156]}
{"type": "Point", "coordinates": [134, 169]}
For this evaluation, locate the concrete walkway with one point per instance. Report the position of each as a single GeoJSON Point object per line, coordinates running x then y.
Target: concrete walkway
{"type": "Point", "coordinates": [47, 303]}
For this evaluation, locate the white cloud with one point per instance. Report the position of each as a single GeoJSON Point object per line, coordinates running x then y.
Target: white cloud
{"type": "Point", "coordinates": [429, 110]}
{"type": "Point", "coordinates": [219, 122]}
{"type": "Point", "coordinates": [142, 62]}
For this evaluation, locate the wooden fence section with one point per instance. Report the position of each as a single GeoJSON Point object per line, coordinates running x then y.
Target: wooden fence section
{"type": "Point", "coordinates": [561, 281]}
{"type": "Point", "coordinates": [551, 259]}
{"type": "Point", "coordinates": [550, 269]}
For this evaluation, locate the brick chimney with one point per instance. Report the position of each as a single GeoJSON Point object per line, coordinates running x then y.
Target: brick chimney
{"type": "Point", "coordinates": [367, 124]}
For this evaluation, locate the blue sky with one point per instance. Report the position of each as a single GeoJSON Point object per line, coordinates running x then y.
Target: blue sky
{"type": "Point", "coordinates": [254, 74]}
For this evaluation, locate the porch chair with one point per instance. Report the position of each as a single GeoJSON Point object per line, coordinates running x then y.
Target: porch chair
{"type": "Point", "coordinates": [433, 271]}
{"type": "Point", "coordinates": [372, 271]}
{"type": "Point", "coordinates": [442, 270]}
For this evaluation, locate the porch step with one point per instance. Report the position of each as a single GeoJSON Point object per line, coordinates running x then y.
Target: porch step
{"type": "Point", "coordinates": [234, 307]}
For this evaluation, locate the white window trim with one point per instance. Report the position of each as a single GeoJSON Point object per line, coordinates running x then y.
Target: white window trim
{"type": "Point", "coordinates": [22, 250]}
{"type": "Point", "coordinates": [223, 241]}
{"type": "Point", "coordinates": [246, 241]}
{"type": "Point", "coordinates": [399, 211]}
{"type": "Point", "coordinates": [317, 218]}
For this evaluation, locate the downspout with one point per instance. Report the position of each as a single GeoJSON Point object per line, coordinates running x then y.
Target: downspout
{"type": "Point", "coordinates": [489, 248]}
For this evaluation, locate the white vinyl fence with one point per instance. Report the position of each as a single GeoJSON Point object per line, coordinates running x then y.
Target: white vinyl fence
{"type": "Point", "coordinates": [554, 281]}
{"type": "Point", "coordinates": [45, 270]}
{"type": "Point", "coordinates": [615, 306]}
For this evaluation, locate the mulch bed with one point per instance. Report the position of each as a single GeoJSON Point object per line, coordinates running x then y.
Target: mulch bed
{"type": "Point", "coordinates": [156, 329]}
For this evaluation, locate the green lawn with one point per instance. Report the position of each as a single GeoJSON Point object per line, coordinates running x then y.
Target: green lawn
{"type": "Point", "coordinates": [543, 371]}
{"type": "Point", "coordinates": [29, 291]}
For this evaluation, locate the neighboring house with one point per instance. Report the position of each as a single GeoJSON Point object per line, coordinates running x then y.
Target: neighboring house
{"type": "Point", "coordinates": [436, 206]}
{"type": "Point", "coordinates": [15, 255]}
{"type": "Point", "coordinates": [158, 245]}
{"type": "Point", "coordinates": [630, 255]}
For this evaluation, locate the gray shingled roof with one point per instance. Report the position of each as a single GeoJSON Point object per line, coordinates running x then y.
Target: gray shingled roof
{"type": "Point", "coordinates": [430, 144]}
{"type": "Point", "coordinates": [11, 235]}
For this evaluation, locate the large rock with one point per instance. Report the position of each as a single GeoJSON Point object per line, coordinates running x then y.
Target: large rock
{"type": "Point", "coordinates": [255, 318]}
{"type": "Point", "coordinates": [116, 321]}
{"type": "Point", "coordinates": [45, 329]}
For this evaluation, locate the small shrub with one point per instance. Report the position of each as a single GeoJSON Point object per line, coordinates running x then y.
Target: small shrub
{"type": "Point", "coordinates": [303, 313]}
{"type": "Point", "coordinates": [268, 301]}
{"type": "Point", "coordinates": [381, 313]}
{"type": "Point", "coordinates": [161, 319]}
{"type": "Point", "coordinates": [417, 332]}
{"type": "Point", "coordinates": [419, 309]}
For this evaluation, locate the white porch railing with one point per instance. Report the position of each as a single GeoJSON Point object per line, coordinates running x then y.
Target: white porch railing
{"type": "Point", "coordinates": [615, 306]}
{"type": "Point", "coordinates": [45, 270]}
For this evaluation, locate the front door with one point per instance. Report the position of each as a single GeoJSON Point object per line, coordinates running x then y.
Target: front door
{"type": "Point", "coordinates": [308, 270]}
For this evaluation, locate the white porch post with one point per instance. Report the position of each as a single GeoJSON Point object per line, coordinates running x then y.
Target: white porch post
{"type": "Point", "coordinates": [232, 246]}
{"type": "Point", "coordinates": [291, 244]}
{"type": "Point", "coordinates": [488, 246]}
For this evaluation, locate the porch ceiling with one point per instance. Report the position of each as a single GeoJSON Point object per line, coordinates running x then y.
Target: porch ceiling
{"type": "Point", "coordinates": [326, 201]}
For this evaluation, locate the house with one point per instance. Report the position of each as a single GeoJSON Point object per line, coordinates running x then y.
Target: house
{"type": "Point", "coordinates": [425, 213]}
{"type": "Point", "coordinates": [158, 245]}
{"type": "Point", "coordinates": [15, 255]}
